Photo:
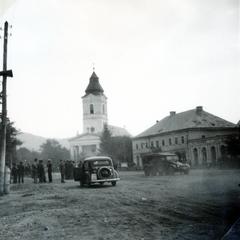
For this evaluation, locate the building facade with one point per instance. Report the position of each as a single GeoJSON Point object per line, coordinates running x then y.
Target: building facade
{"type": "Point", "coordinates": [196, 136]}
{"type": "Point", "coordinates": [95, 116]}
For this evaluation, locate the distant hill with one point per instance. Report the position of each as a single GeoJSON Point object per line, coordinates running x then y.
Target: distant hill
{"type": "Point", "coordinates": [33, 142]}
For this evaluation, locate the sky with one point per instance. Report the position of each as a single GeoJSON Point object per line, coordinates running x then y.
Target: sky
{"type": "Point", "coordinates": [151, 57]}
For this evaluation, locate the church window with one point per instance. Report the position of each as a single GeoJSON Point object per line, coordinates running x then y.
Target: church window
{"type": "Point", "coordinates": [136, 146]}
{"type": "Point", "coordinates": [176, 140]}
{"type": "Point", "coordinates": [142, 145]}
{"type": "Point", "coordinates": [195, 156]}
{"type": "Point", "coordinates": [152, 144]}
{"type": "Point", "coordinates": [182, 139]}
{"type": "Point", "coordinates": [91, 109]}
{"type": "Point", "coordinates": [157, 144]}
{"type": "Point", "coordinates": [170, 141]}
{"type": "Point", "coordinates": [163, 142]}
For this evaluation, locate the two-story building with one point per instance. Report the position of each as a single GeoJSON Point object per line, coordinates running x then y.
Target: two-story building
{"type": "Point", "coordinates": [196, 136]}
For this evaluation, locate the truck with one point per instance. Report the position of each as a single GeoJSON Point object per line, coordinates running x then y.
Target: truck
{"type": "Point", "coordinates": [163, 163]}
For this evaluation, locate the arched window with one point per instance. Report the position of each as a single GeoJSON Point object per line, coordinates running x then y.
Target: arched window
{"type": "Point", "coordinates": [204, 156]}
{"type": "Point", "coordinates": [213, 155]}
{"type": "Point", "coordinates": [91, 109]}
{"type": "Point", "coordinates": [195, 156]}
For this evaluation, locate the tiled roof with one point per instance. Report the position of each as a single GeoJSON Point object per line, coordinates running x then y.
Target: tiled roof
{"type": "Point", "coordinates": [84, 135]}
{"type": "Point", "coordinates": [115, 131]}
{"type": "Point", "coordinates": [195, 118]}
{"type": "Point", "coordinates": [94, 86]}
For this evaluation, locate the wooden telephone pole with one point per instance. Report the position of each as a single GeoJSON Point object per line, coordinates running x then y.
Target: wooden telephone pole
{"type": "Point", "coordinates": [5, 73]}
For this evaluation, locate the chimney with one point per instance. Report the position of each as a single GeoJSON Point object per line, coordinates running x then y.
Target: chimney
{"type": "Point", "coordinates": [172, 113]}
{"type": "Point", "coordinates": [199, 109]}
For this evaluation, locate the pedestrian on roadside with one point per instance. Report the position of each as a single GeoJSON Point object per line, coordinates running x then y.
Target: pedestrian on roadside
{"type": "Point", "coordinates": [62, 170]}
{"type": "Point", "coordinates": [41, 172]}
{"type": "Point", "coordinates": [14, 173]}
{"type": "Point", "coordinates": [35, 170]}
{"type": "Point", "coordinates": [20, 170]}
{"type": "Point", "coordinates": [49, 170]}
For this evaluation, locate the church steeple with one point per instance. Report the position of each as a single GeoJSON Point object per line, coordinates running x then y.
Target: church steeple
{"type": "Point", "coordinates": [94, 86]}
{"type": "Point", "coordinates": [94, 106]}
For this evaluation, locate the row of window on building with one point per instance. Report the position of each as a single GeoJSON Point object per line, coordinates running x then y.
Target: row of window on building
{"type": "Point", "coordinates": [163, 143]}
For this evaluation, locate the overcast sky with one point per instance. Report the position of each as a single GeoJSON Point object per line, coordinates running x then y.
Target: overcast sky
{"type": "Point", "coordinates": [151, 57]}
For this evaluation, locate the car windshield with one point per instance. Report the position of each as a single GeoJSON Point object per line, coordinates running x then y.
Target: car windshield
{"type": "Point", "coordinates": [101, 162]}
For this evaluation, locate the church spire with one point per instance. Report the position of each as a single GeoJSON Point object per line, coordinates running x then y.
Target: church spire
{"type": "Point", "coordinates": [94, 86]}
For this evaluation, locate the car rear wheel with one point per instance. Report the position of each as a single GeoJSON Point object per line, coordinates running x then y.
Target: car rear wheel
{"type": "Point", "coordinates": [114, 183]}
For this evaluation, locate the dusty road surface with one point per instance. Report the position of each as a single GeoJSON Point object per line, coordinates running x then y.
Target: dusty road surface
{"type": "Point", "coordinates": [201, 205]}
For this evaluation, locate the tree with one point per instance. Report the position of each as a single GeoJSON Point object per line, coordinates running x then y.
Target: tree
{"type": "Point", "coordinates": [233, 145]}
{"type": "Point", "coordinates": [119, 148]}
{"type": "Point", "coordinates": [106, 141]}
{"type": "Point", "coordinates": [52, 149]}
{"type": "Point", "coordinates": [232, 158]}
{"type": "Point", "coordinates": [25, 154]}
{"type": "Point", "coordinates": [11, 143]}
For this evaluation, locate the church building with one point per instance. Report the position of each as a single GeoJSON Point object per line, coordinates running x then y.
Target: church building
{"type": "Point", "coordinates": [95, 116]}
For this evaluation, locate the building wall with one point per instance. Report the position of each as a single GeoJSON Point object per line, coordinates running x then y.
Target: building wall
{"type": "Point", "coordinates": [185, 143]}
{"type": "Point", "coordinates": [84, 145]}
{"type": "Point", "coordinates": [94, 113]}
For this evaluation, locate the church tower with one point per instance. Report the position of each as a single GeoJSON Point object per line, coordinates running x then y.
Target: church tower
{"type": "Point", "coordinates": [94, 107]}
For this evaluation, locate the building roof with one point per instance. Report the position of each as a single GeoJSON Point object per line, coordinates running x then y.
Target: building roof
{"type": "Point", "coordinates": [94, 86]}
{"type": "Point", "coordinates": [118, 131]}
{"type": "Point", "coordinates": [83, 135]}
{"type": "Point", "coordinates": [195, 118]}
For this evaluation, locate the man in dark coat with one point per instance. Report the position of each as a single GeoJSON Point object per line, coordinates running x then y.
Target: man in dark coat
{"type": "Point", "coordinates": [20, 173]}
{"type": "Point", "coordinates": [62, 170]}
{"type": "Point", "coordinates": [14, 173]}
{"type": "Point", "coordinates": [49, 170]}
{"type": "Point", "coordinates": [35, 170]}
{"type": "Point", "coordinates": [41, 172]}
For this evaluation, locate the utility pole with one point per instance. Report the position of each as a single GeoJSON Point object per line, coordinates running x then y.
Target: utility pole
{"type": "Point", "coordinates": [5, 73]}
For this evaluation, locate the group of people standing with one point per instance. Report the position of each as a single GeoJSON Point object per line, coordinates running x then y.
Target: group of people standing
{"type": "Point", "coordinates": [39, 173]}
{"type": "Point", "coordinates": [39, 170]}
{"type": "Point", "coordinates": [17, 172]}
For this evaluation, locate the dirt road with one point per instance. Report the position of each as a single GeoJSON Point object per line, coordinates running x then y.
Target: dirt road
{"type": "Point", "coordinates": [201, 205]}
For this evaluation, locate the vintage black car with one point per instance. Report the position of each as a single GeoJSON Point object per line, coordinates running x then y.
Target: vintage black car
{"type": "Point", "coordinates": [98, 169]}
{"type": "Point", "coordinates": [163, 163]}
